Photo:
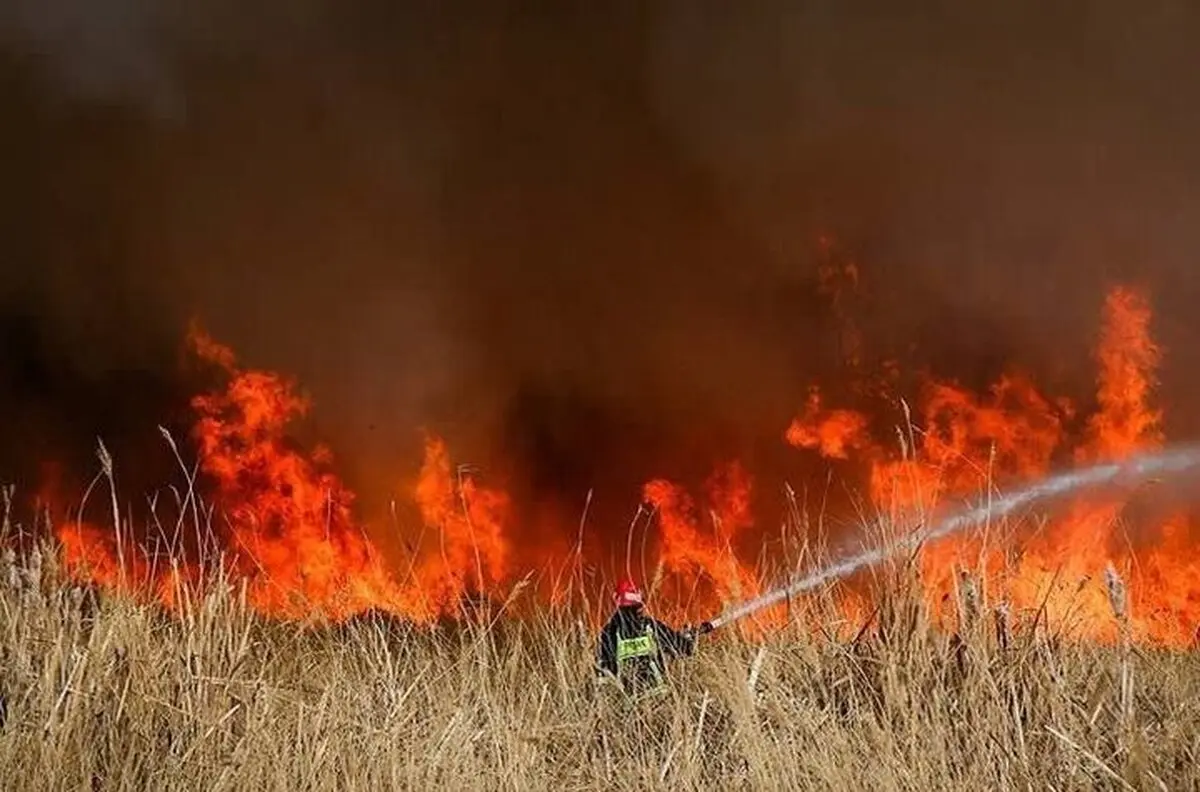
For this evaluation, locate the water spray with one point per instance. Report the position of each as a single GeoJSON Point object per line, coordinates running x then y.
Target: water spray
{"type": "Point", "coordinates": [1137, 470]}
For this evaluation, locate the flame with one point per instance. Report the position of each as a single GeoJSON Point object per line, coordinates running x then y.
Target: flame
{"type": "Point", "coordinates": [689, 550]}
{"type": "Point", "coordinates": [290, 533]}
{"type": "Point", "coordinates": [969, 444]}
{"type": "Point", "coordinates": [700, 570]}
{"type": "Point", "coordinates": [835, 433]}
{"type": "Point", "coordinates": [1128, 358]}
{"type": "Point", "coordinates": [287, 527]}
{"type": "Point", "coordinates": [966, 441]}
{"type": "Point", "coordinates": [471, 521]}
{"type": "Point", "coordinates": [291, 528]}
{"type": "Point", "coordinates": [87, 552]}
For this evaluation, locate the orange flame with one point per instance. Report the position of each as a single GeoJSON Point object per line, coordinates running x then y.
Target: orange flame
{"type": "Point", "coordinates": [1128, 359]}
{"type": "Point", "coordinates": [969, 444]}
{"type": "Point", "coordinates": [471, 523]}
{"type": "Point", "coordinates": [291, 535]}
{"type": "Point", "coordinates": [835, 433]}
{"type": "Point", "coordinates": [292, 531]}
{"type": "Point", "coordinates": [688, 551]}
{"type": "Point", "coordinates": [289, 532]}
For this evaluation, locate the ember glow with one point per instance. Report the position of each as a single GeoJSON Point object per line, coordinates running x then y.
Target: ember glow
{"type": "Point", "coordinates": [287, 527]}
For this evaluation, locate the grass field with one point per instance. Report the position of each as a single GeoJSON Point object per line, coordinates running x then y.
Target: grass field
{"type": "Point", "coordinates": [101, 692]}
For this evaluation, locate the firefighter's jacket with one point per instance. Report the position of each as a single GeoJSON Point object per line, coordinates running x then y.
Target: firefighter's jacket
{"type": "Point", "coordinates": [633, 648]}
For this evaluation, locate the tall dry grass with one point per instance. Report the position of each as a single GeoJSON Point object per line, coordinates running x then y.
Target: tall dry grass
{"type": "Point", "coordinates": [101, 692]}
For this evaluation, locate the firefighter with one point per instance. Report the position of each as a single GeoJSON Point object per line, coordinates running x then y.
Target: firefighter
{"type": "Point", "coordinates": [633, 646]}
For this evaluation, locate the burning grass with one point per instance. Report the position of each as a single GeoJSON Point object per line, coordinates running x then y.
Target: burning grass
{"type": "Point", "coordinates": [288, 527]}
{"type": "Point", "coordinates": [105, 691]}
{"type": "Point", "coordinates": [257, 637]}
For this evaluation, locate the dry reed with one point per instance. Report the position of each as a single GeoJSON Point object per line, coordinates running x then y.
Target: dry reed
{"type": "Point", "coordinates": [103, 692]}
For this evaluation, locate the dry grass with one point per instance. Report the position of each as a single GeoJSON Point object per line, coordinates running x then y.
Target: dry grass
{"type": "Point", "coordinates": [105, 693]}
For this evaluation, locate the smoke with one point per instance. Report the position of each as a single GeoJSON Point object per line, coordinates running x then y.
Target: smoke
{"type": "Point", "coordinates": [580, 242]}
{"type": "Point", "coordinates": [1003, 162]}
{"type": "Point", "coordinates": [109, 51]}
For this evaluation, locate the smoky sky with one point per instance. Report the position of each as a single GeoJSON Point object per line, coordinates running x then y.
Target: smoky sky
{"type": "Point", "coordinates": [579, 239]}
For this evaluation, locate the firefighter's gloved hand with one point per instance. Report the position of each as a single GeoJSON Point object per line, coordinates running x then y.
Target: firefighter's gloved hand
{"type": "Point", "coordinates": [706, 628]}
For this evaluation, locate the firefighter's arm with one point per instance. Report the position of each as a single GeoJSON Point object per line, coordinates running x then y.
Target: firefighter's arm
{"type": "Point", "coordinates": [677, 643]}
{"type": "Point", "coordinates": [693, 632]}
{"type": "Point", "coordinates": [606, 653]}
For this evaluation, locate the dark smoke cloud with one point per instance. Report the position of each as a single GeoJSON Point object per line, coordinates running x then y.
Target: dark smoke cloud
{"type": "Point", "coordinates": [114, 51]}
{"type": "Point", "coordinates": [580, 241]}
{"type": "Point", "coordinates": [1003, 161]}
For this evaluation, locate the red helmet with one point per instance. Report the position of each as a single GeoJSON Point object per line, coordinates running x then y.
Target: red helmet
{"type": "Point", "coordinates": [628, 594]}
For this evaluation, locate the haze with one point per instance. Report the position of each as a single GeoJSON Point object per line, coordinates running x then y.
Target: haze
{"type": "Point", "coordinates": [579, 242]}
